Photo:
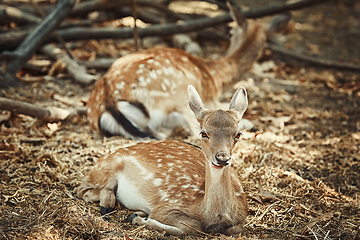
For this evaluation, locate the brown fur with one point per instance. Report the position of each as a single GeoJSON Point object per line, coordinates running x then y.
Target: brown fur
{"type": "Point", "coordinates": [175, 182]}
{"type": "Point", "coordinates": [157, 78]}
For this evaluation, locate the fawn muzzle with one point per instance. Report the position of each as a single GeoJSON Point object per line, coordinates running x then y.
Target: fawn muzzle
{"type": "Point", "coordinates": [222, 159]}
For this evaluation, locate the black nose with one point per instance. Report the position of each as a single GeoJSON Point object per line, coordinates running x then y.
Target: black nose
{"type": "Point", "coordinates": [222, 158]}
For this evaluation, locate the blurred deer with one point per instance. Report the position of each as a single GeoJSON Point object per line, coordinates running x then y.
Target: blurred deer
{"type": "Point", "coordinates": [174, 185]}
{"type": "Point", "coordinates": [143, 94]}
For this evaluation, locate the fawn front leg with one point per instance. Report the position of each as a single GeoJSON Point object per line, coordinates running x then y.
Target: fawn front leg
{"type": "Point", "coordinates": [107, 200]}
{"type": "Point", "coordinates": [174, 225]}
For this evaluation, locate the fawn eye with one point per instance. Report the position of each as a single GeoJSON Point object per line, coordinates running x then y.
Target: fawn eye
{"type": "Point", "coordinates": [204, 135]}
{"type": "Point", "coordinates": [238, 136]}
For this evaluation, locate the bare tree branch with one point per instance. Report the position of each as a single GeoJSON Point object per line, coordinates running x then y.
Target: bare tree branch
{"type": "Point", "coordinates": [45, 114]}
{"type": "Point", "coordinates": [99, 63]}
{"type": "Point", "coordinates": [12, 39]}
{"type": "Point", "coordinates": [16, 15]}
{"type": "Point", "coordinates": [312, 60]}
{"type": "Point", "coordinates": [76, 71]}
{"type": "Point", "coordinates": [19, 57]}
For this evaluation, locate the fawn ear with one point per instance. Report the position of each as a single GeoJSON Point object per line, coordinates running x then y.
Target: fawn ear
{"type": "Point", "coordinates": [239, 101]}
{"type": "Point", "coordinates": [278, 23]}
{"type": "Point", "coordinates": [195, 103]}
{"type": "Point", "coordinates": [237, 17]}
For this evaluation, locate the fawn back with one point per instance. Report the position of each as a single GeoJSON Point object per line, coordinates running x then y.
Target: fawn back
{"type": "Point", "coordinates": [143, 94]}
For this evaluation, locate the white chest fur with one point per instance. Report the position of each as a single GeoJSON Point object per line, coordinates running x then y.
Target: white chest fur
{"type": "Point", "coordinates": [129, 195]}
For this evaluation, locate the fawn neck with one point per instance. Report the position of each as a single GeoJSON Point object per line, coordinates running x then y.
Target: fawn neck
{"type": "Point", "coordinates": [218, 202]}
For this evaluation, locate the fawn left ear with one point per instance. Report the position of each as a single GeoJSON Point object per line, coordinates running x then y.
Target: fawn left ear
{"type": "Point", "coordinates": [237, 17]}
{"type": "Point", "coordinates": [195, 103]}
{"type": "Point", "coordinates": [239, 101]}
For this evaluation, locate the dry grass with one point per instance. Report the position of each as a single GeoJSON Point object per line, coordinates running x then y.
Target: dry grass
{"type": "Point", "coordinates": [300, 169]}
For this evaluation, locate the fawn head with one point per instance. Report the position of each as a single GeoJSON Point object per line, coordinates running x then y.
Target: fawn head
{"type": "Point", "coordinates": [219, 128]}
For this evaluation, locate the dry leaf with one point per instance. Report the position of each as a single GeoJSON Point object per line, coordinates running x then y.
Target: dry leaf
{"type": "Point", "coordinates": [58, 67]}
{"type": "Point", "coordinates": [314, 49]}
{"type": "Point", "coordinates": [4, 116]}
{"type": "Point", "coordinates": [126, 237]}
{"type": "Point", "coordinates": [72, 101]}
{"type": "Point", "coordinates": [57, 114]}
{"type": "Point", "coordinates": [264, 196]}
{"type": "Point", "coordinates": [277, 122]}
{"type": "Point", "coordinates": [265, 69]}
{"type": "Point", "coordinates": [15, 121]}
{"type": "Point", "coordinates": [51, 128]}
{"type": "Point", "coordinates": [6, 147]}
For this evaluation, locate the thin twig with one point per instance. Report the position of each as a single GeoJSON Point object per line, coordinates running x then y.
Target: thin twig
{"type": "Point", "coordinates": [253, 217]}
{"type": "Point", "coordinates": [136, 34]}
{"type": "Point", "coordinates": [326, 234]}
{"type": "Point", "coordinates": [266, 210]}
{"type": "Point", "coordinates": [47, 198]}
{"type": "Point", "coordinates": [195, 229]}
{"type": "Point", "coordinates": [313, 233]}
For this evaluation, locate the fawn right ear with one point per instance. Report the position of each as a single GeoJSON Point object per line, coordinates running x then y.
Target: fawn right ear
{"type": "Point", "coordinates": [278, 23]}
{"type": "Point", "coordinates": [195, 103]}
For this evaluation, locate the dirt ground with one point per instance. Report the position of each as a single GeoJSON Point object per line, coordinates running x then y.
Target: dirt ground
{"type": "Point", "coordinates": [300, 168]}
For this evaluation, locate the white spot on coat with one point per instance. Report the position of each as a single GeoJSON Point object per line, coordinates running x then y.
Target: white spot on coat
{"type": "Point", "coordinates": [120, 85]}
{"type": "Point", "coordinates": [163, 86]}
{"type": "Point", "coordinates": [171, 70]}
{"type": "Point", "coordinates": [157, 181]}
{"type": "Point", "coordinates": [166, 81]}
{"type": "Point", "coordinates": [102, 107]}
{"type": "Point", "coordinates": [153, 74]}
{"type": "Point", "coordinates": [142, 81]}
{"type": "Point", "coordinates": [166, 70]}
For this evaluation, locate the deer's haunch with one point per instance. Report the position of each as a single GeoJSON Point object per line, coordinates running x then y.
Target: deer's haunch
{"type": "Point", "coordinates": [143, 94]}
{"type": "Point", "coordinates": [173, 184]}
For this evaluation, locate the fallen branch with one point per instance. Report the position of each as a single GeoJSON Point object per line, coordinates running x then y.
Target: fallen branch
{"type": "Point", "coordinates": [18, 16]}
{"type": "Point", "coordinates": [99, 63]}
{"type": "Point", "coordinates": [155, 30]}
{"type": "Point", "coordinates": [85, 7]}
{"type": "Point", "coordinates": [76, 71]}
{"type": "Point", "coordinates": [58, 38]}
{"type": "Point", "coordinates": [312, 60]}
{"type": "Point", "coordinates": [8, 40]}
{"type": "Point", "coordinates": [51, 114]}
{"type": "Point", "coordinates": [280, 7]}
{"type": "Point", "coordinates": [36, 37]}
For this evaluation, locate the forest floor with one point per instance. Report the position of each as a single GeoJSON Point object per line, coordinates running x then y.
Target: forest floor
{"type": "Point", "coordinates": [300, 169]}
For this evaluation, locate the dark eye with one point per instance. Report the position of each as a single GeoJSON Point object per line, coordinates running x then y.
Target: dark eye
{"type": "Point", "coordinates": [238, 136]}
{"type": "Point", "coordinates": [204, 135]}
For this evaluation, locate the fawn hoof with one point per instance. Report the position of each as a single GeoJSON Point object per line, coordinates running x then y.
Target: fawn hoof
{"type": "Point", "coordinates": [131, 217]}
{"type": "Point", "coordinates": [104, 210]}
